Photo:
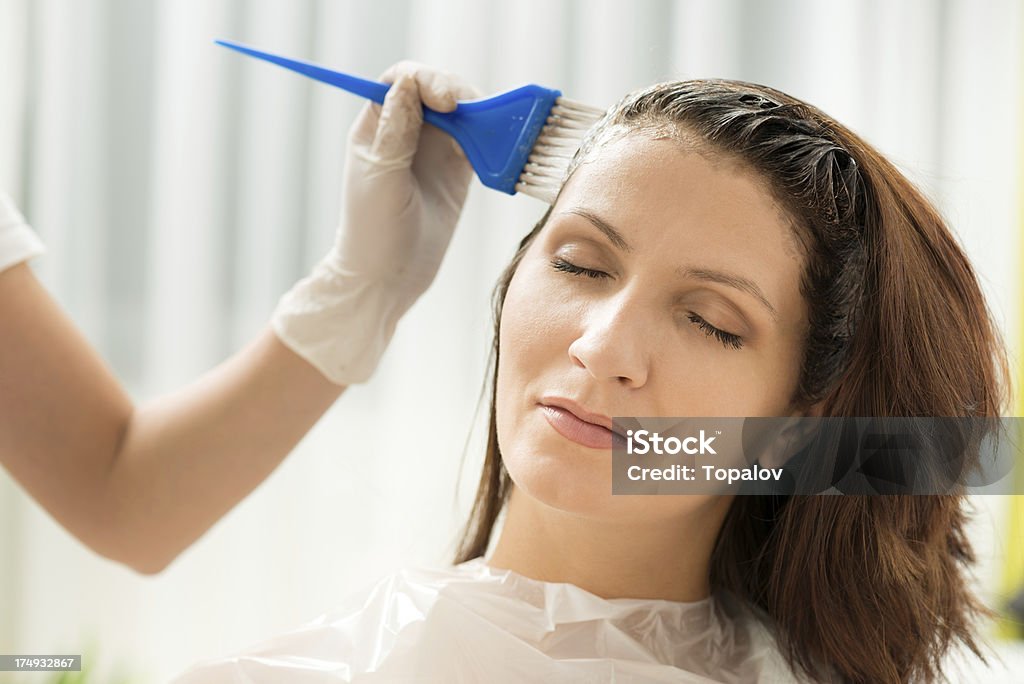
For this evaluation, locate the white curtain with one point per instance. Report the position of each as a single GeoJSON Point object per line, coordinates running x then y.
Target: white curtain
{"type": "Point", "coordinates": [181, 188]}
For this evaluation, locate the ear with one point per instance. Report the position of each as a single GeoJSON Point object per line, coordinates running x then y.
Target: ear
{"type": "Point", "coordinates": [794, 434]}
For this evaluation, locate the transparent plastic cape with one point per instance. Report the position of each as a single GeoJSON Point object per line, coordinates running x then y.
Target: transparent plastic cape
{"type": "Point", "coordinates": [475, 623]}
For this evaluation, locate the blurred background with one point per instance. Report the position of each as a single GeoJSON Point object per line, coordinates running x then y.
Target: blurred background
{"type": "Point", "coordinates": [182, 188]}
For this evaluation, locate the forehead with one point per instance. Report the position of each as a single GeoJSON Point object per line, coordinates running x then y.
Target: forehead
{"type": "Point", "coordinates": [680, 211]}
{"type": "Point", "coordinates": [672, 193]}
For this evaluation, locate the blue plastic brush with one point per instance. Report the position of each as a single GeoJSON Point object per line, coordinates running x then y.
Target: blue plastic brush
{"type": "Point", "coordinates": [521, 140]}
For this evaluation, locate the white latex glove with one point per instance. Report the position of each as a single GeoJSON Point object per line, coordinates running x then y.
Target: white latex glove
{"type": "Point", "coordinates": [404, 187]}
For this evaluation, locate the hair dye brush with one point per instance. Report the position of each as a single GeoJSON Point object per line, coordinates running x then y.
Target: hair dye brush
{"type": "Point", "coordinates": [518, 141]}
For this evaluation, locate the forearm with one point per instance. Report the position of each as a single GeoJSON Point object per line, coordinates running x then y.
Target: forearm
{"type": "Point", "coordinates": [139, 485]}
{"type": "Point", "coordinates": [188, 458]}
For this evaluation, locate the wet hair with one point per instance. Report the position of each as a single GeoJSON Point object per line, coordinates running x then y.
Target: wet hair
{"type": "Point", "coordinates": [869, 588]}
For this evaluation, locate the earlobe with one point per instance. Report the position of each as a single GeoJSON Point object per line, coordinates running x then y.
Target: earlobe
{"type": "Point", "coordinates": [801, 427]}
{"type": "Point", "coordinates": [793, 435]}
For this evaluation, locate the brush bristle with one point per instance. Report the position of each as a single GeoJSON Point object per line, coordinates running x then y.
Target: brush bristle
{"type": "Point", "coordinates": [556, 145]}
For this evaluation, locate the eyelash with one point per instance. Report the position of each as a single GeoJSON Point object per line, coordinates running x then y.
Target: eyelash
{"type": "Point", "coordinates": [727, 339]}
{"type": "Point", "coordinates": [560, 264]}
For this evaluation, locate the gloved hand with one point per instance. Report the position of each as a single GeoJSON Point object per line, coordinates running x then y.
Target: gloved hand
{"type": "Point", "coordinates": [403, 189]}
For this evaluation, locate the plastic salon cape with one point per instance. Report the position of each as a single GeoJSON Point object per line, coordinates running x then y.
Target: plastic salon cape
{"type": "Point", "coordinates": [474, 623]}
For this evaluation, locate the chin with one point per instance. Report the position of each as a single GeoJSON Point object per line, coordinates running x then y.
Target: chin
{"type": "Point", "coordinates": [560, 474]}
{"type": "Point", "coordinates": [577, 481]}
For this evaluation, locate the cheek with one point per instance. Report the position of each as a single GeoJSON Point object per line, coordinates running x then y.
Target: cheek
{"type": "Point", "coordinates": [784, 374]}
{"type": "Point", "coordinates": [723, 385]}
{"type": "Point", "coordinates": [516, 356]}
{"type": "Point", "coordinates": [536, 322]}
{"type": "Point", "coordinates": [534, 338]}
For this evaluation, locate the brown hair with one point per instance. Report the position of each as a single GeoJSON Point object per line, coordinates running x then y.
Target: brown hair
{"type": "Point", "coordinates": [870, 587]}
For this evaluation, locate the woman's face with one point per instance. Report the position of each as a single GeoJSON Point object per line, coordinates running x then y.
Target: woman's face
{"type": "Point", "coordinates": [663, 284]}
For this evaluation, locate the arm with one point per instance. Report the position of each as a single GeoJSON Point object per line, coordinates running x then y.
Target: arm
{"type": "Point", "coordinates": [140, 485]}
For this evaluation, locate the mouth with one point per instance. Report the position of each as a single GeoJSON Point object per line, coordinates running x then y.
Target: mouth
{"type": "Point", "coordinates": [577, 424]}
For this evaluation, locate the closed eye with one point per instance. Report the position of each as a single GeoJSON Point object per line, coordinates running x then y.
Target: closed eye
{"type": "Point", "coordinates": [560, 264]}
{"type": "Point", "coordinates": [729, 340]}
{"type": "Point", "coordinates": [726, 338]}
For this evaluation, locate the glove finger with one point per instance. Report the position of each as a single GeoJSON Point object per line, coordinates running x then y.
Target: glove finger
{"type": "Point", "coordinates": [364, 128]}
{"type": "Point", "coordinates": [444, 175]}
{"type": "Point", "coordinates": [440, 161]}
{"type": "Point", "coordinates": [398, 128]}
{"type": "Point", "coordinates": [440, 90]}
{"type": "Point", "coordinates": [432, 83]}
{"type": "Point", "coordinates": [459, 88]}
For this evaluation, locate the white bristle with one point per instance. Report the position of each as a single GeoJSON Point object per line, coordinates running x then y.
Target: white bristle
{"type": "Point", "coordinates": [555, 147]}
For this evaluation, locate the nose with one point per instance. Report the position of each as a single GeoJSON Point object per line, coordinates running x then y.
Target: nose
{"type": "Point", "coordinates": [611, 343]}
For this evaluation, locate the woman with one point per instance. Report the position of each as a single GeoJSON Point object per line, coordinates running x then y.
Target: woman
{"type": "Point", "coordinates": [718, 249]}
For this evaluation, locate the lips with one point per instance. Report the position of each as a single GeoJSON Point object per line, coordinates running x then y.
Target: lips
{"type": "Point", "coordinates": [577, 424]}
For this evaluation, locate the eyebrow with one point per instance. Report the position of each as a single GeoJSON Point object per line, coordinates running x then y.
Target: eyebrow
{"type": "Point", "coordinates": [730, 279]}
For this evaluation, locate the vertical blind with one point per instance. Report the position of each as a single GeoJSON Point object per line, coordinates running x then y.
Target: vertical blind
{"type": "Point", "coordinates": [181, 188]}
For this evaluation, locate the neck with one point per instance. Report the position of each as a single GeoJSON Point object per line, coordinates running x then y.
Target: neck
{"type": "Point", "coordinates": [668, 559]}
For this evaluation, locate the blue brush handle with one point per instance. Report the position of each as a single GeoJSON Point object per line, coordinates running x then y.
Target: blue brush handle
{"type": "Point", "coordinates": [371, 90]}
{"type": "Point", "coordinates": [496, 133]}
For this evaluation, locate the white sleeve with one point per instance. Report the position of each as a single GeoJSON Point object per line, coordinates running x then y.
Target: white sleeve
{"type": "Point", "coordinates": [18, 242]}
